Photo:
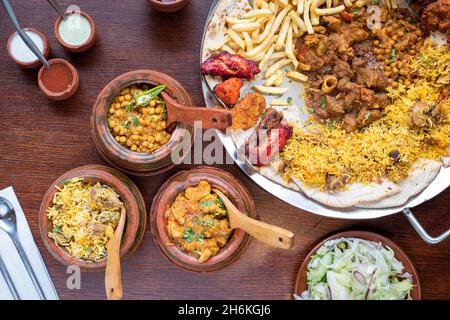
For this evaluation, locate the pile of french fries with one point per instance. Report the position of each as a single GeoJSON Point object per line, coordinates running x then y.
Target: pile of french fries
{"type": "Point", "coordinates": [267, 34]}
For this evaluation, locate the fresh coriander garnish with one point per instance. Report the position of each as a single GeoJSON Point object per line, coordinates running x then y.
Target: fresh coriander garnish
{"type": "Point", "coordinates": [311, 110]}
{"type": "Point", "coordinates": [126, 125]}
{"type": "Point", "coordinates": [289, 100]}
{"type": "Point", "coordinates": [204, 204]}
{"type": "Point", "coordinates": [322, 102]}
{"type": "Point", "coordinates": [56, 229]}
{"type": "Point", "coordinates": [188, 234]}
{"type": "Point", "coordinates": [393, 55]}
{"type": "Point", "coordinates": [356, 11]}
{"type": "Point", "coordinates": [135, 120]}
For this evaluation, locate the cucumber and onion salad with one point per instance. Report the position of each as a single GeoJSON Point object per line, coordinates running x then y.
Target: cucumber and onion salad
{"type": "Point", "coordinates": [356, 269]}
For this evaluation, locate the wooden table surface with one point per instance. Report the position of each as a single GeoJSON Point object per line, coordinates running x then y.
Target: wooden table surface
{"type": "Point", "coordinates": [41, 140]}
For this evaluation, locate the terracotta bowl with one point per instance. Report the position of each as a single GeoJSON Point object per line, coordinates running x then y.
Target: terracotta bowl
{"type": "Point", "coordinates": [37, 62]}
{"type": "Point", "coordinates": [138, 163]}
{"type": "Point", "coordinates": [168, 6]}
{"type": "Point", "coordinates": [129, 194]}
{"type": "Point", "coordinates": [237, 193]}
{"type": "Point", "coordinates": [82, 47]}
{"type": "Point", "coordinates": [63, 95]}
{"type": "Point", "coordinates": [300, 282]}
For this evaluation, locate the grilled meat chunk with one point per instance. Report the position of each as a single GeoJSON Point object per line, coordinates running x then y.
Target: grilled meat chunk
{"type": "Point", "coordinates": [225, 64]}
{"type": "Point", "coordinates": [229, 91]}
{"type": "Point", "coordinates": [436, 16]}
{"type": "Point", "coordinates": [246, 112]}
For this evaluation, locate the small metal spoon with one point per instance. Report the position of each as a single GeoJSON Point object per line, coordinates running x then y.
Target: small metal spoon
{"type": "Point", "coordinates": [9, 282]}
{"type": "Point", "coordinates": [9, 224]}
{"type": "Point", "coordinates": [58, 9]}
{"type": "Point", "coordinates": [30, 44]}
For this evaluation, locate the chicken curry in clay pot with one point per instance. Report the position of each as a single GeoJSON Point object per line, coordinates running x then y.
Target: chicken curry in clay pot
{"type": "Point", "coordinates": [197, 221]}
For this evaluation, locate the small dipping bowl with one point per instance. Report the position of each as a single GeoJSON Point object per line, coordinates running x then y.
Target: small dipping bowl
{"type": "Point", "coordinates": [301, 280]}
{"type": "Point", "coordinates": [168, 5]}
{"type": "Point", "coordinates": [129, 195]}
{"type": "Point", "coordinates": [122, 158]}
{"type": "Point", "coordinates": [231, 187]}
{"type": "Point", "coordinates": [77, 33]}
{"type": "Point", "coordinates": [60, 81]}
{"type": "Point", "coordinates": [21, 54]}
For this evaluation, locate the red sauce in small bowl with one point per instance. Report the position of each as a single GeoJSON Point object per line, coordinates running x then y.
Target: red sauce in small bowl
{"type": "Point", "coordinates": [59, 81]}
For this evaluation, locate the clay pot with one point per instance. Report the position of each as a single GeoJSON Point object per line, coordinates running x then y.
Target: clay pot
{"type": "Point", "coordinates": [130, 196]}
{"type": "Point", "coordinates": [36, 63]}
{"type": "Point", "coordinates": [82, 47]}
{"type": "Point", "coordinates": [168, 6]}
{"type": "Point", "coordinates": [234, 190]}
{"type": "Point", "coordinates": [72, 74]}
{"type": "Point", "coordinates": [138, 163]}
{"type": "Point", "coordinates": [301, 285]}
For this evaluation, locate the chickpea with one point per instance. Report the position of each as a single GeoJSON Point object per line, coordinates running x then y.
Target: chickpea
{"type": "Point", "coordinates": [133, 147]}
{"type": "Point", "coordinates": [116, 129]}
{"type": "Point", "coordinates": [395, 71]}
{"type": "Point", "coordinates": [121, 99]}
{"type": "Point", "coordinates": [401, 33]}
{"type": "Point", "coordinates": [112, 110]}
{"type": "Point", "coordinates": [158, 110]}
{"type": "Point", "coordinates": [123, 139]}
{"type": "Point", "coordinates": [117, 138]}
{"type": "Point", "coordinates": [127, 97]}
{"type": "Point", "coordinates": [376, 43]}
{"type": "Point", "coordinates": [118, 113]}
{"type": "Point", "coordinates": [150, 139]}
{"type": "Point", "coordinates": [151, 110]}
{"type": "Point", "coordinates": [129, 143]}
{"type": "Point", "coordinates": [153, 103]}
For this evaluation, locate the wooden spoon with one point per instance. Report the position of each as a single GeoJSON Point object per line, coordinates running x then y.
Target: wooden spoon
{"type": "Point", "coordinates": [113, 276]}
{"type": "Point", "coordinates": [210, 117]}
{"type": "Point", "coordinates": [264, 232]}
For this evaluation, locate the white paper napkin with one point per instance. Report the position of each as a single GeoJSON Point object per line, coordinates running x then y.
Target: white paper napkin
{"type": "Point", "coordinates": [16, 269]}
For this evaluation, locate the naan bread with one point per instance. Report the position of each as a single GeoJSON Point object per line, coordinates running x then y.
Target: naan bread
{"type": "Point", "coordinates": [355, 193]}
{"type": "Point", "coordinates": [422, 174]}
{"type": "Point", "coordinates": [446, 160]}
{"type": "Point", "coordinates": [215, 32]}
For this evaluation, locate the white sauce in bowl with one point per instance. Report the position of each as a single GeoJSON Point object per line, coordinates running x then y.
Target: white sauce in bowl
{"type": "Point", "coordinates": [21, 52]}
{"type": "Point", "coordinates": [76, 30]}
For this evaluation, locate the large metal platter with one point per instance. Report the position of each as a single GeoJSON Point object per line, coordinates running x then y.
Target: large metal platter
{"type": "Point", "coordinates": [298, 199]}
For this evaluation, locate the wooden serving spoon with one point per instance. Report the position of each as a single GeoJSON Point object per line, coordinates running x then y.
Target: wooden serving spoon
{"type": "Point", "coordinates": [210, 117]}
{"type": "Point", "coordinates": [264, 232]}
{"type": "Point", "coordinates": [113, 275]}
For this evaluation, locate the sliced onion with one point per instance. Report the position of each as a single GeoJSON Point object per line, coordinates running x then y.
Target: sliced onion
{"type": "Point", "coordinates": [405, 275]}
{"type": "Point", "coordinates": [360, 277]}
{"type": "Point", "coordinates": [329, 295]}
{"type": "Point", "coordinates": [369, 286]}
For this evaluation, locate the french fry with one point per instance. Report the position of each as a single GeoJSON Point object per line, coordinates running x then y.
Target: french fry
{"type": "Point", "coordinates": [258, 13]}
{"type": "Point", "coordinates": [248, 41]}
{"type": "Point", "coordinates": [294, 2]}
{"type": "Point", "coordinates": [298, 21]}
{"type": "Point", "coordinates": [278, 65]}
{"type": "Point", "coordinates": [348, 3]}
{"type": "Point", "coordinates": [267, 57]}
{"type": "Point", "coordinates": [394, 4]}
{"type": "Point", "coordinates": [297, 76]}
{"type": "Point", "coordinates": [267, 30]}
{"type": "Point", "coordinates": [236, 38]}
{"type": "Point", "coordinates": [283, 33]}
{"type": "Point", "coordinates": [228, 49]}
{"type": "Point", "coordinates": [335, 3]}
{"type": "Point", "coordinates": [301, 6]}
{"type": "Point", "coordinates": [308, 24]}
{"type": "Point", "coordinates": [276, 91]}
{"type": "Point", "coordinates": [245, 27]}
{"type": "Point", "coordinates": [314, 18]}
{"type": "Point", "coordinates": [269, 40]}
{"type": "Point", "coordinates": [328, 11]}
{"type": "Point", "coordinates": [219, 45]}
{"type": "Point", "coordinates": [269, 82]}
{"type": "Point", "coordinates": [295, 62]}
{"type": "Point", "coordinates": [280, 103]}
{"type": "Point", "coordinates": [283, 3]}
{"type": "Point", "coordinates": [233, 21]}
{"type": "Point", "coordinates": [278, 55]}
{"type": "Point", "coordinates": [329, 3]}
{"type": "Point", "coordinates": [289, 48]}
{"type": "Point", "coordinates": [280, 79]}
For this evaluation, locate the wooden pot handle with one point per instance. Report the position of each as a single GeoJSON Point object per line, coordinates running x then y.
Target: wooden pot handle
{"type": "Point", "coordinates": [269, 234]}
{"type": "Point", "coordinates": [113, 275]}
{"type": "Point", "coordinates": [211, 118]}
